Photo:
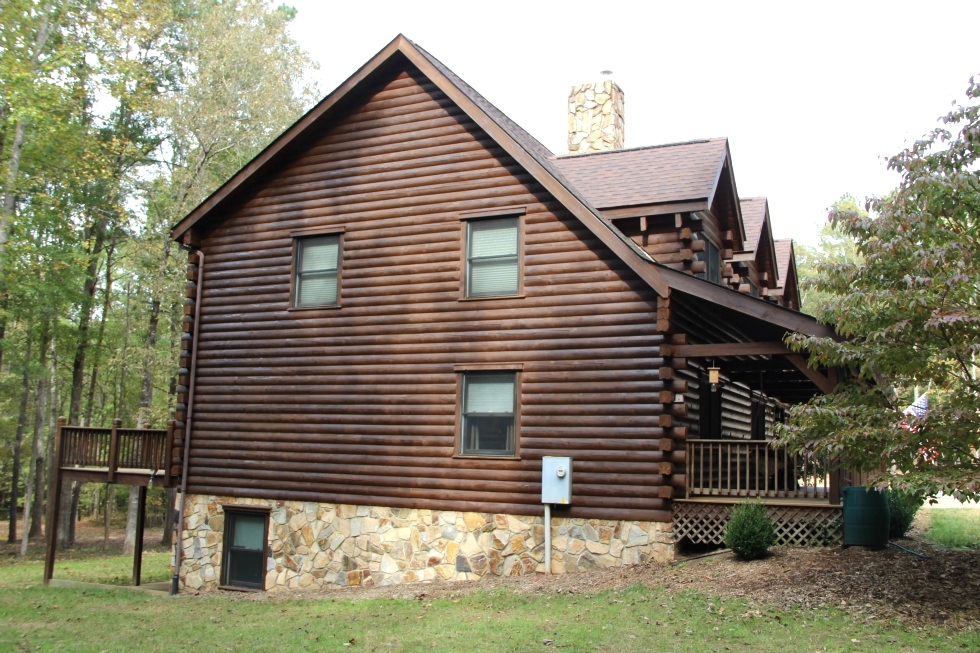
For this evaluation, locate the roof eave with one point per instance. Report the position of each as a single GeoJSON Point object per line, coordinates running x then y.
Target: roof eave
{"type": "Point", "coordinates": [747, 305]}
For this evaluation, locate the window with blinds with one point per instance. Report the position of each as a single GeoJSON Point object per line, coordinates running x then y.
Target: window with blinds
{"type": "Point", "coordinates": [488, 412]}
{"type": "Point", "coordinates": [492, 265]}
{"type": "Point", "coordinates": [317, 259]}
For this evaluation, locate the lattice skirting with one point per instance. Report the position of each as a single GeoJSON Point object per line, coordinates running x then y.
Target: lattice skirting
{"type": "Point", "coordinates": [704, 523]}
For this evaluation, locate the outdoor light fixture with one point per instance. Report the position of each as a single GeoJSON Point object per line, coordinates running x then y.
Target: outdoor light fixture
{"type": "Point", "coordinates": [714, 374]}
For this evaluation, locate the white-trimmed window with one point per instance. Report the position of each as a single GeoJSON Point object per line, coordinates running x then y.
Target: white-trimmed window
{"type": "Point", "coordinates": [493, 257]}
{"type": "Point", "coordinates": [489, 414]}
{"type": "Point", "coordinates": [317, 271]}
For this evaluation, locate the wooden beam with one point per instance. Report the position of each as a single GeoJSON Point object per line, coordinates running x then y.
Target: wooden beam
{"type": "Point", "coordinates": [641, 210]}
{"type": "Point", "coordinates": [114, 450]}
{"type": "Point", "coordinates": [138, 544]}
{"type": "Point", "coordinates": [720, 349]}
{"type": "Point", "coordinates": [819, 380]}
{"type": "Point", "coordinates": [54, 504]}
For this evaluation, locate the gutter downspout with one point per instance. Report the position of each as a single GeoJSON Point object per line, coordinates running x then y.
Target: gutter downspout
{"type": "Point", "coordinates": [179, 544]}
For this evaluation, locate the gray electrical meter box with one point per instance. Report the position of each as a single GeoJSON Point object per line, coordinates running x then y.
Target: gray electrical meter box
{"type": "Point", "coordinates": [556, 480]}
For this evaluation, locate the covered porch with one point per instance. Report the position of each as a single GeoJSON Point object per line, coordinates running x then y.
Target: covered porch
{"type": "Point", "coordinates": [740, 379]}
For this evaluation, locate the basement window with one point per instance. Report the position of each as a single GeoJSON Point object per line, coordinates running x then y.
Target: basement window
{"type": "Point", "coordinates": [243, 561]}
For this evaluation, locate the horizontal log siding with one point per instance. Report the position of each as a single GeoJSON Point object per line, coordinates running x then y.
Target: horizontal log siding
{"type": "Point", "coordinates": [357, 404]}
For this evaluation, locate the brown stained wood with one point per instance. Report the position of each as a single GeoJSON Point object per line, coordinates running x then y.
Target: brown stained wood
{"type": "Point", "coordinates": [357, 404]}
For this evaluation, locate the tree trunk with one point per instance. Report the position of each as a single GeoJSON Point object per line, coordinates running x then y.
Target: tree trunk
{"type": "Point", "coordinates": [169, 497]}
{"type": "Point", "coordinates": [75, 496]}
{"type": "Point", "coordinates": [146, 390]}
{"type": "Point", "coordinates": [40, 408]}
{"type": "Point", "coordinates": [18, 440]}
{"type": "Point", "coordinates": [107, 297]}
{"type": "Point", "coordinates": [97, 233]}
{"type": "Point", "coordinates": [110, 503]}
{"type": "Point", "coordinates": [129, 545]}
{"type": "Point", "coordinates": [32, 527]}
{"type": "Point", "coordinates": [13, 169]}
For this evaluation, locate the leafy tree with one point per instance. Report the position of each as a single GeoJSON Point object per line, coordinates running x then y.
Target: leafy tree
{"type": "Point", "coordinates": [908, 307]}
{"type": "Point", "coordinates": [833, 247]}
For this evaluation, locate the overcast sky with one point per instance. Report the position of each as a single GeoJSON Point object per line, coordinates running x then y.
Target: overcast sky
{"type": "Point", "coordinates": [812, 96]}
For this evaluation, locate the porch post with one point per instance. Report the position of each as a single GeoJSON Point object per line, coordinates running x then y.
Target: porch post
{"type": "Point", "coordinates": [114, 449]}
{"type": "Point", "coordinates": [138, 544]}
{"type": "Point", "coordinates": [54, 505]}
{"type": "Point", "coordinates": [835, 472]}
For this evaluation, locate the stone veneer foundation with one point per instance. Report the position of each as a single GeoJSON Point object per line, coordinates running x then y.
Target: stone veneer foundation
{"type": "Point", "coordinates": [316, 545]}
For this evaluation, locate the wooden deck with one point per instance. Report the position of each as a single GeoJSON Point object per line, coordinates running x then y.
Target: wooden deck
{"type": "Point", "coordinates": [115, 455]}
{"type": "Point", "coordinates": [139, 457]}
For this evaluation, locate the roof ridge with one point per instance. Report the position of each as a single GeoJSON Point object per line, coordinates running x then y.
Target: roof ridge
{"type": "Point", "coordinates": [641, 147]}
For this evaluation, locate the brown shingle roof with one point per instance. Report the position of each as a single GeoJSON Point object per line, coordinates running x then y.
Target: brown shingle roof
{"type": "Point", "coordinates": [784, 254]}
{"type": "Point", "coordinates": [753, 217]}
{"type": "Point", "coordinates": [647, 175]}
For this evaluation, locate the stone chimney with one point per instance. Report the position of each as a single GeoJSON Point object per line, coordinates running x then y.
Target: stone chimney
{"type": "Point", "coordinates": [596, 120]}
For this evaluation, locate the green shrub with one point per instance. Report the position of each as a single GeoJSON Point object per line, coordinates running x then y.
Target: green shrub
{"type": "Point", "coordinates": [750, 531]}
{"type": "Point", "coordinates": [902, 506]}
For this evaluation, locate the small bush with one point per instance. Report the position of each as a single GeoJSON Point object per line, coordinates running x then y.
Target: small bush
{"type": "Point", "coordinates": [750, 531]}
{"type": "Point", "coordinates": [902, 507]}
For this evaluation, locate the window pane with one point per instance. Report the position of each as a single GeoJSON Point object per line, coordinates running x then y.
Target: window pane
{"type": "Point", "coordinates": [317, 289]}
{"type": "Point", "coordinates": [493, 238]}
{"type": "Point", "coordinates": [490, 394]}
{"type": "Point", "coordinates": [245, 568]}
{"type": "Point", "coordinates": [493, 277]}
{"type": "Point", "coordinates": [319, 253]}
{"type": "Point", "coordinates": [488, 434]}
{"type": "Point", "coordinates": [250, 532]}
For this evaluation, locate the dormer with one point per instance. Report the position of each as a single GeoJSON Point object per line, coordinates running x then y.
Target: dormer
{"type": "Point", "coordinates": [754, 267]}
{"type": "Point", "coordinates": [678, 201]}
{"type": "Point", "coordinates": [787, 293]}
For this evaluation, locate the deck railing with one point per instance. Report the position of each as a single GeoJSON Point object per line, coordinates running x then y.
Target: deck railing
{"type": "Point", "coordinates": [115, 448]}
{"type": "Point", "coordinates": [754, 468]}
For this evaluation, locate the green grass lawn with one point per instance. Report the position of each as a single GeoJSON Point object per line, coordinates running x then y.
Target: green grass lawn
{"type": "Point", "coordinates": [35, 618]}
{"type": "Point", "coordinates": [956, 528]}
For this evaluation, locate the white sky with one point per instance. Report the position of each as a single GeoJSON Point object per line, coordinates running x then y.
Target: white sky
{"type": "Point", "coordinates": [812, 96]}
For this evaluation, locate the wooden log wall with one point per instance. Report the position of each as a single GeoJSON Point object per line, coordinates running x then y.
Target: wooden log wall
{"type": "Point", "coordinates": [186, 353]}
{"type": "Point", "coordinates": [357, 404]}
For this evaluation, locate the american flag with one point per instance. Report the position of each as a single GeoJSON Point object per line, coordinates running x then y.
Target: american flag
{"type": "Point", "coordinates": [918, 408]}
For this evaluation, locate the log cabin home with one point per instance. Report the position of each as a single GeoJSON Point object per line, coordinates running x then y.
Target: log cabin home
{"type": "Point", "coordinates": [405, 302]}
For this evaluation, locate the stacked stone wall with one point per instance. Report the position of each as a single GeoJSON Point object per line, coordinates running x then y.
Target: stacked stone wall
{"type": "Point", "coordinates": [596, 118]}
{"type": "Point", "coordinates": [325, 545]}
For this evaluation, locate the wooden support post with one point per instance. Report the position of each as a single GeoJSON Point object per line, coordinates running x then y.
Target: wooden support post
{"type": "Point", "coordinates": [54, 504]}
{"type": "Point", "coordinates": [114, 449]}
{"type": "Point", "coordinates": [835, 473]}
{"type": "Point", "coordinates": [138, 544]}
